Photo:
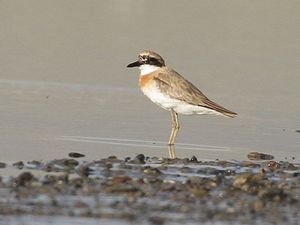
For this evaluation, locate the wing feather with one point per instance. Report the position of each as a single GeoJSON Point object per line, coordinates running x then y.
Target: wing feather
{"type": "Point", "coordinates": [176, 86]}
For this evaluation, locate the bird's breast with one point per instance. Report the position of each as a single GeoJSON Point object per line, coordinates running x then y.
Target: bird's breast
{"type": "Point", "coordinates": [155, 94]}
{"type": "Point", "coordinates": [146, 80]}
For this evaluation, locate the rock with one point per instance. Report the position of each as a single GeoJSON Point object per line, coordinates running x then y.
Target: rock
{"type": "Point", "coordinates": [76, 155]}
{"type": "Point", "coordinates": [127, 159]}
{"type": "Point", "coordinates": [139, 159]}
{"type": "Point", "coordinates": [226, 163]}
{"type": "Point", "coordinates": [249, 164]}
{"type": "Point", "coordinates": [70, 162]}
{"type": "Point", "coordinates": [152, 171]}
{"type": "Point", "coordinates": [272, 165]}
{"type": "Point", "coordinates": [2, 165]}
{"type": "Point", "coordinates": [249, 182]}
{"type": "Point", "coordinates": [24, 179]}
{"type": "Point", "coordinates": [259, 156]}
{"type": "Point", "coordinates": [19, 165]}
{"type": "Point", "coordinates": [194, 159]}
{"type": "Point", "coordinates": [34, 164]}
{"type": "Point", "coordinates": [113, 159]}
{"type": "Point", "coordinates": [288, 166]}
{"type": "Point", "coordinates": [61, 165]}
{"type": "Point", "coordinates": [83, 171]}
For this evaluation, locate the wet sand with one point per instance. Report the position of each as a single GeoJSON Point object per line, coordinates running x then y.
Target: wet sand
{"type": "Point", "coordinates": [151, 190]}
{"type": "Point", "coordinates": [64, 85]}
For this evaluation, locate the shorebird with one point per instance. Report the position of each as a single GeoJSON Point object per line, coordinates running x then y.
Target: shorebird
{"type": "Point", "coordinates": [171, 91]}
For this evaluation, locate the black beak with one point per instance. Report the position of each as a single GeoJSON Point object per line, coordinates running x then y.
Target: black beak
{"type": "Point", "coordinates": [134, 64]}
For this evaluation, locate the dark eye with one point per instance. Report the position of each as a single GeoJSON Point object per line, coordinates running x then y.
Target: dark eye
{"type": "Point", "coordinates": [153, 60]}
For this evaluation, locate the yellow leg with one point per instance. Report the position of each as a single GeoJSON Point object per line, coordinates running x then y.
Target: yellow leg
{"type": "Point", "coordinates": [171, 149]}
{"type": "Point", "coordinates": [175, 127]}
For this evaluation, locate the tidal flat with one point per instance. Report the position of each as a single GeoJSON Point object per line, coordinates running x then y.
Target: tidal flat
{"type": "Point", "coordinates": [150, 190]}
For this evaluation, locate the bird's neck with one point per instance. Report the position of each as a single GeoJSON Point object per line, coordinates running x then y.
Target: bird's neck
{"type": "Point", "coordinates": [146, 69]}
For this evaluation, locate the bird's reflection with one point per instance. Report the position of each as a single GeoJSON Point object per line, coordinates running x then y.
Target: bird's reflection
{"type": "Point", "coordinates": [172, 154]}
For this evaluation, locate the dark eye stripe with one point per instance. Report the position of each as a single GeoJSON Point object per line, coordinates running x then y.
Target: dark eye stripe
{"type": "Point", "coordinates": [154, 61]}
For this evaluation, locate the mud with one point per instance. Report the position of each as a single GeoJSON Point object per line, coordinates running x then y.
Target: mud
{"type": "Point", "coordinates": [150, 190]}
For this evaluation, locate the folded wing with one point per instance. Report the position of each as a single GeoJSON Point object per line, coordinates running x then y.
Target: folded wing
{"type": "Point", "coordinates": [178, 87]}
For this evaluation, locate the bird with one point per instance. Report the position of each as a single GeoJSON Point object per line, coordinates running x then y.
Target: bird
{"type": "Point", "coordinates": [171, 91]}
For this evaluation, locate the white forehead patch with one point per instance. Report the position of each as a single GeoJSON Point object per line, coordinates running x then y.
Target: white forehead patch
{"type": "Point", "coordinates": [146, 69]}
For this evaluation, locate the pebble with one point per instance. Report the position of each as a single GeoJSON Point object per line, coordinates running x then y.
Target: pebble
{"type": "Point", "coordinates": [152, 171]}
{"type": "Point", "coordinates": [248, 182]}
{"type": "Point", "coordinates": [139, 159]}
{"type": "Point", "coordinates": [273, 165]}
{"type": "Point", "coordinates": [249, 164]}
{"type": "Point", "coordinates": [76, 155]}
{"type": "Point", "coordinates": [259, 156]}
{"type": "Point", "coordinates": [194, 159]}
{"type": "Point", "coordinates": [19, 165]}
{"type": "Point", "coordinates": [158, 191]}
{"type": "Point", "coordinates": [24, 179]}
{"type": "Point", "coordinates": [2, 165]}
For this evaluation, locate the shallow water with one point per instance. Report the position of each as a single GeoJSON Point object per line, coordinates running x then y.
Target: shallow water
{"type": "Point", "coordinates": [49, 220]}
{"type": "Point", "coordinates": [64, 85]}
{"type": "Point", "coordinates": [63, 74]}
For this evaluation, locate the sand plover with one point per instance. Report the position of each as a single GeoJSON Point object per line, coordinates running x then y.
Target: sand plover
{"type": "Point", "coordinates": [168, 89]}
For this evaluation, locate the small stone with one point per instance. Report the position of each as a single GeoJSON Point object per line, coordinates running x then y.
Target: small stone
{"type": "Point", "coordinates": [112, 157]}
{"type": "Point", "coordinates": [194, 159]}
{"type": "Point", "coordinates": [184, 161]}
{"type": "Point", "coordinates": [288, 166]}
{"type": "Point", "coordinates": [34, 164]}
{"type": "Point", "coordinates": [249, 164]}
{"type": "Point", "coordinates": [248, 182]}
{"type": "Point", "coordinates": [83, 171]}
{"type": "Point", "coordinates": [60, 165]}
{"type": "Point", "coordinates": [259, 156]}
{"type": "Point", "coordinates": [24, 179]}
{"type": "Point", "coordinates": [2, 165]}
{"type": "Point", "coordinates": [127, 159]}
{"type": "Point", "coordinates": [272, 165]}
{"type": "Point", "coordinates": [225, 163]}
{"type": "Point", "coordinates": [19, 165]}
{"type": "Point", "coordinates": [152, 171]}
{"type": "Point", "coordinates": [139, 159]}
{"type": "Point", "coordinates": [297, 131]}
{"type": "Point", "coordinates": [76, 155]}
{"type": "Point", "coordinates": [71, 162]}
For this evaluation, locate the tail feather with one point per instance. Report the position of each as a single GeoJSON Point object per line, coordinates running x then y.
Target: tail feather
{"type": "Point", "coordinates": [214, 106]}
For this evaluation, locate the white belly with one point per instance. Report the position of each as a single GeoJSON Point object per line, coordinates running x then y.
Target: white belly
{"type": "Point", "coordinates": [181, 107]}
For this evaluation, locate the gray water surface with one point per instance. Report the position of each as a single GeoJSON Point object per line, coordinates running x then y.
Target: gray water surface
{"type": "Point", "coordinates": [64, 85]}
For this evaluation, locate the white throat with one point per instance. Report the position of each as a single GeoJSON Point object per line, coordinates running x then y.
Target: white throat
{"type": "Point", "coordinates": [146, 69]}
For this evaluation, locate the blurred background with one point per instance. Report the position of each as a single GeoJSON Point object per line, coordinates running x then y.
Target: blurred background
{"type": "Point", "coordinates": [64, 85]}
